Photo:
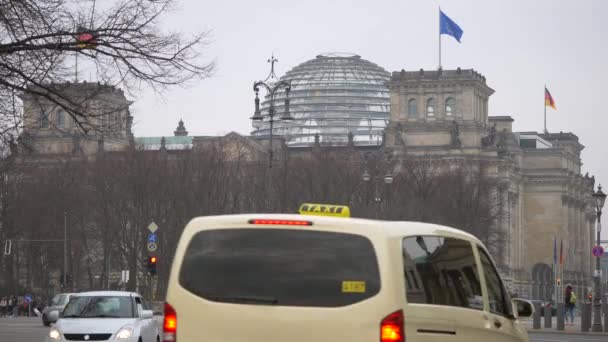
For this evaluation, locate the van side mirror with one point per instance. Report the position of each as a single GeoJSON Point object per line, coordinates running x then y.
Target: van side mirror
{"type": "Point", "coordinates": [54, 315]}
{"type": "Point", "coordinates": [524, 308]}
{"type": "Point", "coordinates": [146, 314]}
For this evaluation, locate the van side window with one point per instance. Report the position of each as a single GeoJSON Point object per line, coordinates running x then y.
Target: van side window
{"type": "Point", "coordinates": [496, 292]}
{"type": "Point", "coordinates": [443, 270]}
{"type": "Point", "coordinates": [407, 280]}
{"type": "Point", "coordinates": [414, 280]}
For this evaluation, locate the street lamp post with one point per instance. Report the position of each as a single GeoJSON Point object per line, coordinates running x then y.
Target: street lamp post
{"type": "Point", "coordinates": [272, 88]}
{"type": "Point", "coordinates": [599, 198]}
{"type": "Point", "coordinates": [377, 178]}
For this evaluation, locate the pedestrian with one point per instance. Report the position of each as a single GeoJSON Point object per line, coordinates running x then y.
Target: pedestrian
{"type": "Point", "coordinates": [9, 308]}
{"type": "Point", "coordinates": [3, 306]}
{"type": "Point", "coordinates": [570, 304]}
{"type": "Point", "coordinates": [12, 304]}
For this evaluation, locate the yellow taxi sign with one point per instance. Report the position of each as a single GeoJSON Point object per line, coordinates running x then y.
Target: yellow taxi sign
{"type": "Point", "coordinates": [324, 210]}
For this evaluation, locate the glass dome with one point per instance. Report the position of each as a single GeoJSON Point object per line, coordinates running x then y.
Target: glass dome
{"type": "Point", "coordinates": [332, 95]}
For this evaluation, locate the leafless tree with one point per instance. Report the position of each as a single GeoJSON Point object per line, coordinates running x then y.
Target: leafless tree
{"type": "Point", "coordinates": [123, 43]}
{"type": "Point", "coordinates": [113, 199]}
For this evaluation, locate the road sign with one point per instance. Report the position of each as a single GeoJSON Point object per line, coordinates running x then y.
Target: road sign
{"type": "Point", "coordinates": [28, 298]}
{"type": "Point", "coordinates": [152, 246]}
{"type": "Point", "coordinates": [7, 247]}
{"type": "Point", "coordinates": [598, 251]}
{"type": "Point", "coordinates": [152, 227]}
{"type": "Point", "coordinates": [153, 238]}
{"type": "Point", "coordinates": [124, 276]}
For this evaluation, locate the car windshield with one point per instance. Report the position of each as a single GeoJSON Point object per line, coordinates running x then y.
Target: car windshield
{"type": "Point", "coordinates": [99, 306]}
{"type": "Point", "coordinates": [60, 300]}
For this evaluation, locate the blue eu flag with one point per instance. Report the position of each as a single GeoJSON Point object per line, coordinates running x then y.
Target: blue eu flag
{"type": "Point", "coordinates": [449, 27]}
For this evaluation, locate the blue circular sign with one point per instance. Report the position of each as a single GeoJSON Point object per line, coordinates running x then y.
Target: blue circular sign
{"type": "Point", "coordinates": [598, 251]}
{"type": "Point", "coordinates": [28, 298]}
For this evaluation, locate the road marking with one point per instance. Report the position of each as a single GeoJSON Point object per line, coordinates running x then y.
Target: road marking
{"type": "Point", "coordinates": [566, 337]}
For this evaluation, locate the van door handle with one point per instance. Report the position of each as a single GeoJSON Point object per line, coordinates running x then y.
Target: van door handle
{"type": "Point", "coordinates": [497, 323]}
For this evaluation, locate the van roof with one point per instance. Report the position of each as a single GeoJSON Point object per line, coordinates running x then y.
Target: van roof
{"type": "Point", "coordinates": [355, 225]}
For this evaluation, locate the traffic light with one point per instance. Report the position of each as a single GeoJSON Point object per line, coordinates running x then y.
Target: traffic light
{"type": "Point", "coordinates": [68, 278]}
{"type": "Point", "coordinates": [152, 260]}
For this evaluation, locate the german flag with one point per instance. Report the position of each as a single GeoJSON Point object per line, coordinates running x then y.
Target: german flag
{"type": "Point", "coordinates": [549, 99]}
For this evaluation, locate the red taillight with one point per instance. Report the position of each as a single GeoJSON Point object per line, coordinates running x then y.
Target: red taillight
{"type": "Point", "coordinates": [170, 324]}
{"type": "Point", "coordinates": [281, 222]}
{"type": "Point", "coordinates": [391, 328]}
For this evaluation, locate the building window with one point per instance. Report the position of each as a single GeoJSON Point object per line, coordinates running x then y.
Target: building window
{"type": "Point", "coordinates": [431, 104]}
{"type": "Point", "coordinates": [44, 120]}
{"type": "Point", "coordinates": [412, 108]}
{"type": "Point", "coordinates": [60, 118]}
{"type": "Point", "coordinates": [450, 106]}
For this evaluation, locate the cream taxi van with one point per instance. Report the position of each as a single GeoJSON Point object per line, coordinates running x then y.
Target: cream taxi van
{"type": "Point", "coordinates": [277, 277]}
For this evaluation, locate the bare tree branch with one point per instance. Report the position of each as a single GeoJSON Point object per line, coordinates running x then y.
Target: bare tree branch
{"type": "Point", "coordinates": [124, 44]}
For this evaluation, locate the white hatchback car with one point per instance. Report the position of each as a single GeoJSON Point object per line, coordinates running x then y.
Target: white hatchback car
{"type": "Point", "coordinates": [275, 278]}
{"type": "Point", "coordinates": [105, 316]}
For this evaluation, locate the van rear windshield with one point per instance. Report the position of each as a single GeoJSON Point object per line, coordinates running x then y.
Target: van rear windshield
{"type": "Point", "coordinates": [280, 267]}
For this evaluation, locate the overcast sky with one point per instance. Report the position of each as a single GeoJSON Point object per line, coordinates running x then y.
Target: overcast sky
{"type": "Point", "coordinates": [519, 45]}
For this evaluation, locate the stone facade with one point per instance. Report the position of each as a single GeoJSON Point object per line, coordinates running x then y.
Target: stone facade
{"type": "Point", "coordinates": [445, 114]}
{"type": "Point", "coordinates": [100, 112]}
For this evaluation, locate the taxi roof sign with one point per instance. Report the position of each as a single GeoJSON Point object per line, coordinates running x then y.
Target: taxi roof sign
{"type": "Point", "coordinates": [324, 210]}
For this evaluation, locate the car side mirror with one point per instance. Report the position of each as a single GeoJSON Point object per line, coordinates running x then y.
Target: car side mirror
{"type": "Point", "coordinates": [524, 307]}
{"type": "Point", "coordinates": [145, 314]}
{"type": "Point", "coordinates": [54, 315]}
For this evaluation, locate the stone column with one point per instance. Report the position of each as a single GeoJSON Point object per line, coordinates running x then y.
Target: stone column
{"type": "Point", "coordinates": [514, 231]}
{"type": "Point", "coordinates": [504, 242]}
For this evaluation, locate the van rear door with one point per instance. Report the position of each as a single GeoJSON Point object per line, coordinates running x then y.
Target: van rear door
{"type": "Point", "coordinates": [261, 284]}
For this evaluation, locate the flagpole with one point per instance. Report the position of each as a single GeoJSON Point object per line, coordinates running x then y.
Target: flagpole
{"type": "Point", "coordinates": [439, 37]}
{"type": "Point", "coordinates": [76, 68]}
{"type": "Point", "coordinates": [545, 104]}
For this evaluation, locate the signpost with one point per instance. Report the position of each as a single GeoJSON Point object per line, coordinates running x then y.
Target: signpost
{"type": "Point", "coordinates": [124, 276]}
{"type": "Point", "coordinates": [7, 247]}
{"type": "Point", "coordinates": [28, 298]}
{"type": "Point", "coordinates": [152, 227]}
{"type": "Point", "coordinates": [598, 251]}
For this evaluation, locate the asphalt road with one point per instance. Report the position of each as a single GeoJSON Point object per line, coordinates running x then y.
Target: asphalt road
{"type": "Point", "coordinates": [540, 337]}
{"type": "Point", "coordinates": [29, 329]}
{"type": "Point", "coordinates": [22, 329]}
{"type": "Point", "coordinates": [25, 329]}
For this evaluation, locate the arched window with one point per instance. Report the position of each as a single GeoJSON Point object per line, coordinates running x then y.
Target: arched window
{"type": "Point", "coordinates": [60, 118]}
{"type": "Point", "coordinates": [44, 120]}
{"type": "Point", "coordinates": [431, 104]}
{"type": "Point", "coordinates": [450, 106]}
{"type": "Point", "coordinates": [412, 108]}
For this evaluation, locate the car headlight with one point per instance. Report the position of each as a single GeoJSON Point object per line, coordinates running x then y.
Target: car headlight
{"type": "Point", "coordinates": [124, 333]}
{"type": "Point", "coordinates": [54, 334]}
